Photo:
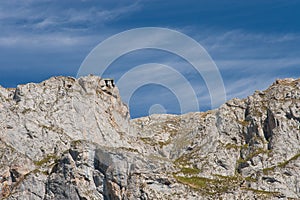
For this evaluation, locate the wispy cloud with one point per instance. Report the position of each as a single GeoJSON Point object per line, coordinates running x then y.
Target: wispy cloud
{"type": "Point", "coordinates": [242, 54]}
{"type": "Point", "coordinates": [39, 22]}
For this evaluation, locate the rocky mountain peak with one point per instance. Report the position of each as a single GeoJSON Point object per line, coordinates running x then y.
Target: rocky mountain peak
{"type": "Point", "coordinates": [68, 138]}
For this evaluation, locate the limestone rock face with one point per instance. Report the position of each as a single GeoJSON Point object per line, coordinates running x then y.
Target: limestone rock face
{"type": "Point", "coordinates": [70, 138]}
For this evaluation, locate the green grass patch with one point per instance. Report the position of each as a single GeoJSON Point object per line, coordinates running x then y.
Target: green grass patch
{"type": "Point", "coordinates": [186, 170]}
{"type": "Point", "coordinates": [267, 170]}
{"type": "Point", "coordinates": [207, 186]}
{"type": "Point", "coordinates": [283, 164]}
{"type": "Point", "coordinates": [250, 179]}
{"type": "Point", "coordinates": [256, 153]}
{"type": "Point", "coordinates": [272, 193]}
{"type": "Point", "coordinates": [48, 158]}
{"type": "Point", "coordinates": [149, 141]}
{"type": "Point", "coordinates": [194, 182]}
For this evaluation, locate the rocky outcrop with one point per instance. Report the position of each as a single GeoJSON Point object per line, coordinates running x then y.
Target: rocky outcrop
{"type": "Point", "coordinates": [73, 139]}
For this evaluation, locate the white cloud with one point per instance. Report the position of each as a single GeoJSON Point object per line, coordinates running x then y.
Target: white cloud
{"type": "Point", "coordinates": [251, 61]}
{"type": "Point", "coordinates": [33, 22]}
{"type": "Point", "coordinates": [45, 41]}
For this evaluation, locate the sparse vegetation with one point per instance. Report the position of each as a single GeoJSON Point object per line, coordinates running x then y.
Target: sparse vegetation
{"type": "Point", "coordinates": [205, 114]}
{"type": "Point", "coordinates": [47, 159]}
{"type": "Point", "coordinates": [207, 186]}
{"type": "Point", "coordinates": [151, 142]}
{"type": "Point", "coordinates": [244, 123]}
{"type": "Point", "coordinates": [26, 110]}
{"type": "Point", "coordinates": [186, 170]}
{"type": "Point", "coordinates": [185, 159]}
{"type": "Point", "coordinates": [250, 179]}
{"type": "Point", "coordinates": [267, 170]}
{"type": "Point", "coordinates": [257, 152]}
{"type": "Point", "coordinates": [232, 146]}
{"type": "Point", "coordinates": [195, 182]}
{"type": "Point", "coordinates": [281, 164]}
{"type": "Point", "coordinates": [129, 149]}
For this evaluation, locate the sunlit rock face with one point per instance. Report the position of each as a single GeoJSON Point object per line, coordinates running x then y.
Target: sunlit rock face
{"type": "Point", "coordinates": [69, 138]}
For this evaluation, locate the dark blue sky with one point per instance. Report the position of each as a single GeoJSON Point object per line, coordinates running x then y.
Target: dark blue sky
{"type": "Point", "coordinates": [251, 42]}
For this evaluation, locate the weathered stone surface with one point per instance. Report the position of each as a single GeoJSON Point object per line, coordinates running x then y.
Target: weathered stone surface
{"type": "Point", "coordinates": [73, 139]}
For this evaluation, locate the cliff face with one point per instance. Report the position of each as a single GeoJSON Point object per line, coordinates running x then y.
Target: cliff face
{"type": "Point", "coordinates": [72, 139]}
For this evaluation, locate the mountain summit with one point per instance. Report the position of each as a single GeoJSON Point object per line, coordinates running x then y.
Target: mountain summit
{"type": "Point", "coordinates": [69, 138]}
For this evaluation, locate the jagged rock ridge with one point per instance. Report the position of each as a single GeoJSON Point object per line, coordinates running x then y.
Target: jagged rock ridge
{"type": "Point", "coordinates": [73, 139]}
